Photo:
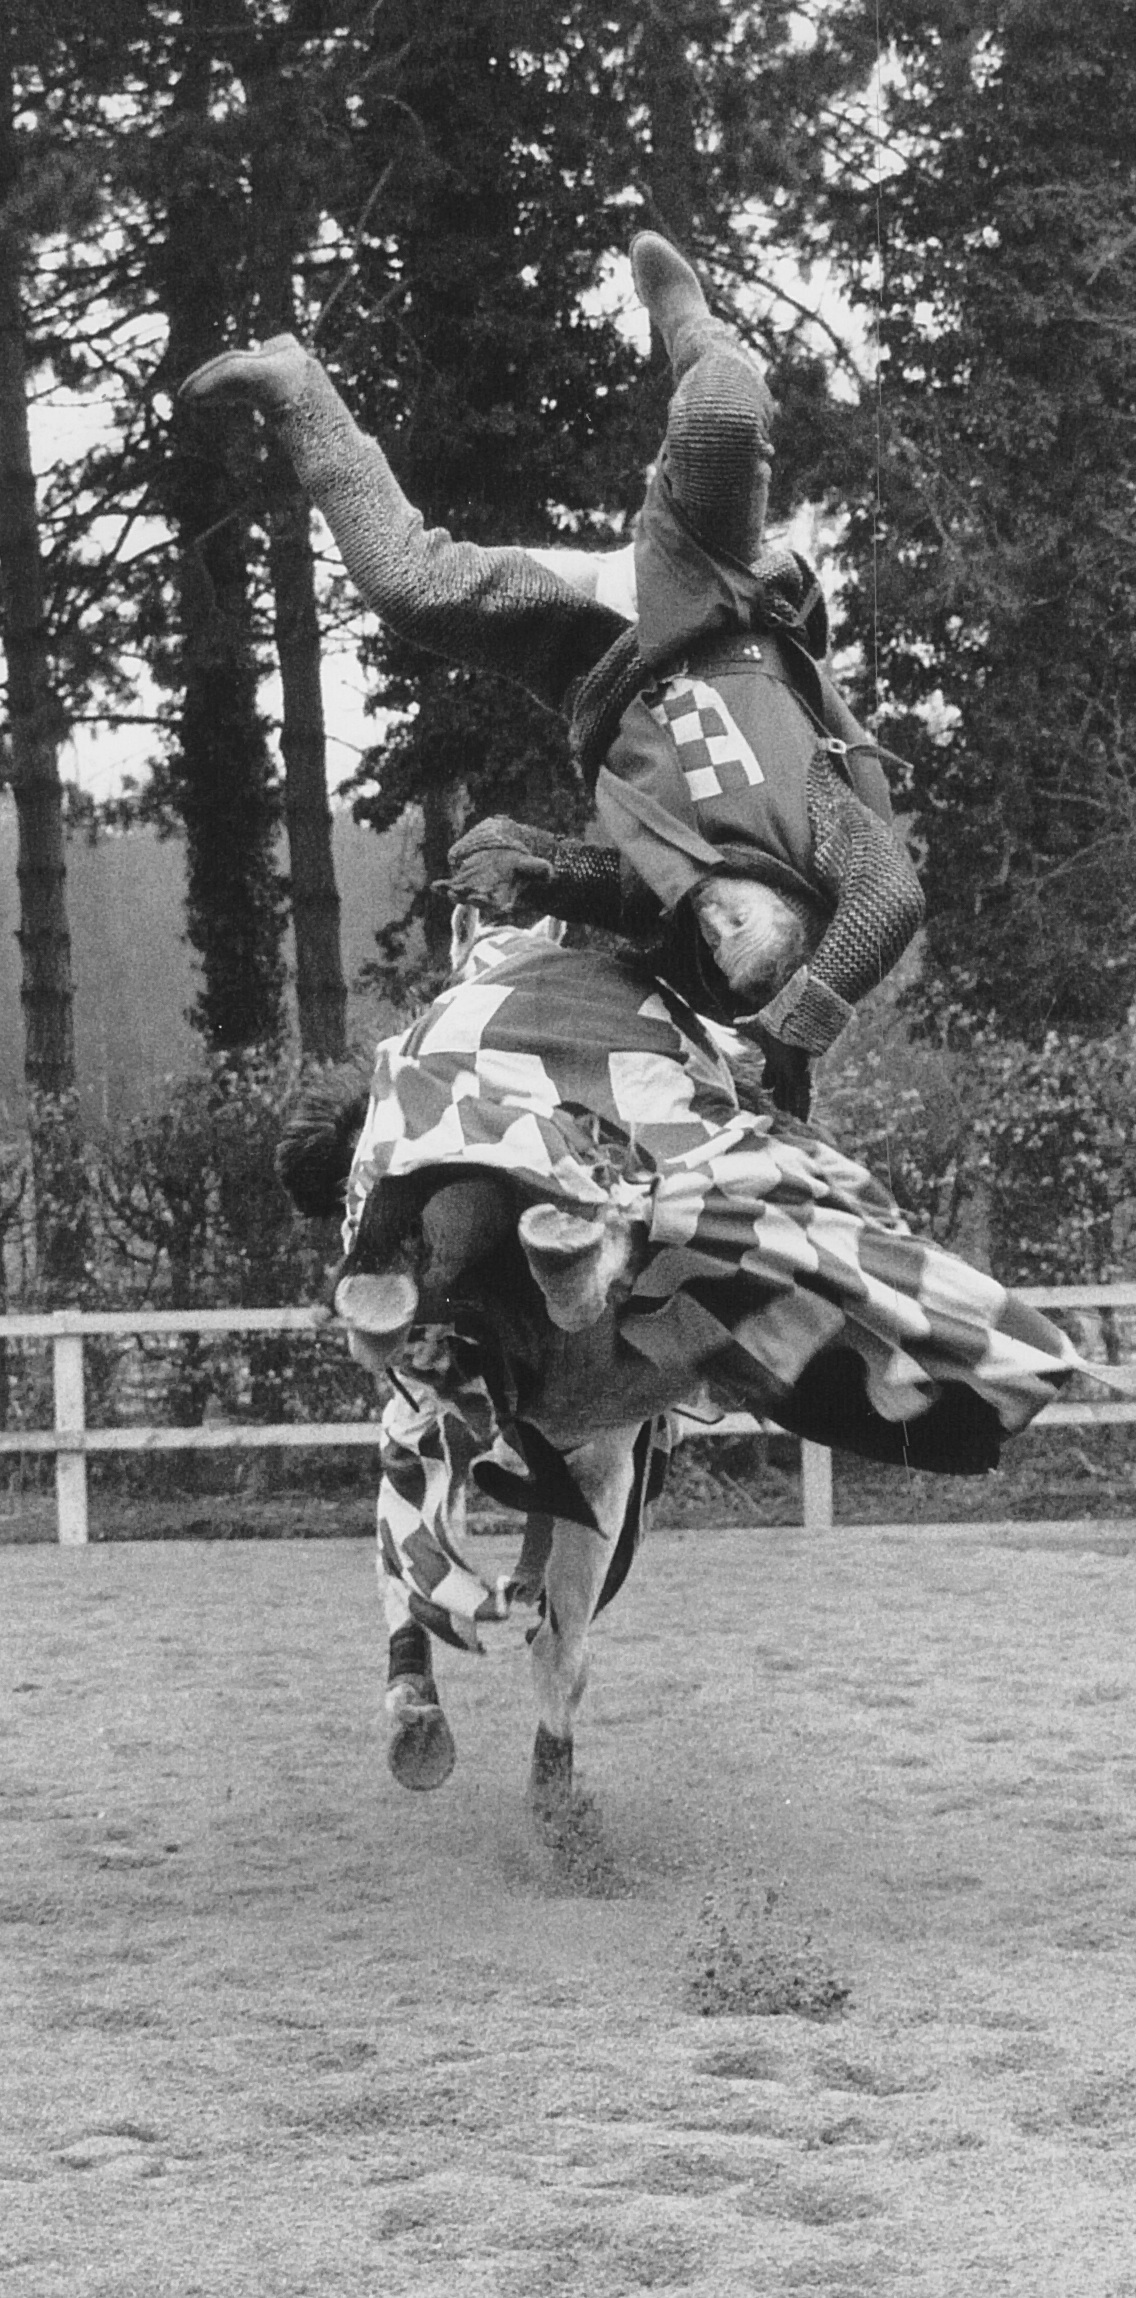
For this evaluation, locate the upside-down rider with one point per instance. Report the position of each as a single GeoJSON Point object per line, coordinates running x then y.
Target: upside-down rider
{"type": "Point", "coordinates": [745, 810]}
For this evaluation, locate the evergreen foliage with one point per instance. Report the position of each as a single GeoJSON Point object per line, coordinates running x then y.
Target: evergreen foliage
{"type": "Point", "coordinates": [520, 148]}
{"type": "Point", "coordinates": [179, 1209]}
{"type": "Point", "coordinates": [996, 571]}
{"type": "Point", "coordinates": [436, 197]}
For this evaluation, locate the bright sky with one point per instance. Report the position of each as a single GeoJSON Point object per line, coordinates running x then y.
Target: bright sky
{"type": "Point", "coordinates": [64, 426]}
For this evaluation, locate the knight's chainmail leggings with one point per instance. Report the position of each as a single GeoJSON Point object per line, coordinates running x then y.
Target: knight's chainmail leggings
{"type": "Point", "coordinates": [500, 610]}
{"type": "Point", "coordinates": [496, 608]}
{"type": "Point", "coordinates": [491, 609]}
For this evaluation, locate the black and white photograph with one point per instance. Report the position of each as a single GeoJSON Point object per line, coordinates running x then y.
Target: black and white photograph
{"type": "Point", "coordinates": [567, 1149]}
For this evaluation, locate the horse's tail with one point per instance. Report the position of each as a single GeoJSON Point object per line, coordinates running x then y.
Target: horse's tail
{"type": "Point", "coordinates": [314, 1157]}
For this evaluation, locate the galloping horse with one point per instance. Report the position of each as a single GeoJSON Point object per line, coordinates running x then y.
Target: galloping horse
{"type": "Point", "coordinates": [561, 1223]}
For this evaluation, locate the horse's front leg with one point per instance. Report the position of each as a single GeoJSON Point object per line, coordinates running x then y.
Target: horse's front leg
{"type": "Point", "coordinates": [573, 1583]}
{"type": "Point", "coordinates": [420, 1745]}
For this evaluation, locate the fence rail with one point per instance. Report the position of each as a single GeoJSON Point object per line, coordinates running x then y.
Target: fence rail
{"type": "Point", "coordinates": [72, 1442]}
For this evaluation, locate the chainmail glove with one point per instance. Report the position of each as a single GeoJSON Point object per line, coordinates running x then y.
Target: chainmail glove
{"type": "Point", "coordinates": [806, 1013]}
{"type": "Point", "coordinates": [510, 866]}
{"type": "Point", "coordinates": [502, 865]}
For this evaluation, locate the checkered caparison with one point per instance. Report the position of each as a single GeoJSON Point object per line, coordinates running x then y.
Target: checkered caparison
{"type": "Point", "coordinates": [437, 1422]}
{"type": "Point", "coordinates": [575, 1075]}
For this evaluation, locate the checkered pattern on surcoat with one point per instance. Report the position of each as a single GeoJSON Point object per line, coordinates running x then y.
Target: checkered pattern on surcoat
{"type": "Point", "coordinates": [574, 1074]}
{"type": "Point", "coordinates": [712, 750]}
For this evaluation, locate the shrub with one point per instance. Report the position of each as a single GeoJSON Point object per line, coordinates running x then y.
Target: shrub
{"type": "Point", "coordinates": [1025, 1154]}
{"type": "Point", "coordinates": [181, 1208]}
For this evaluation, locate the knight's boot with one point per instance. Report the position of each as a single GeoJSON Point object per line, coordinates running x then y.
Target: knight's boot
{"type": "Point", "coordinates": [672, 292]}
{"type": "Point", "coordinates": [269, 378]}
{"type": "Point", "coordinates": [575, 1261]}
{"type": "Point", "coordinates": [420, 1750]}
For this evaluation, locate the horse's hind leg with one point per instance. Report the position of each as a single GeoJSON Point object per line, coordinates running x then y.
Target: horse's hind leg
{"type": "Point", "coordinates": [420, 1746]}
{"type": "Point", "coordinates": [573, 1582]}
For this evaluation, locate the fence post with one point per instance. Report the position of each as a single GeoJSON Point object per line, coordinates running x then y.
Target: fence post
{"type": "Point", "coordinates": [816, 1486]}
{"type": "Point", "coordinates": [70, 1421]}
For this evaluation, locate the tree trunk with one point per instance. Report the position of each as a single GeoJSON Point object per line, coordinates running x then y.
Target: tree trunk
{"type": "Point", "coordinates": [668, 82]}
{"type": "Point", "coordinates": [221, 769]}
{"type": "Point", "coordinates": [35, 725]}
{"type": "Point", "coordinates": [277, 229]}
{"type": "Point", "coordinates": [669, 85]}
{"type": "Point", "coordinates": [321, 992]}
{"type": "Point", "coordinates": [34, 719]}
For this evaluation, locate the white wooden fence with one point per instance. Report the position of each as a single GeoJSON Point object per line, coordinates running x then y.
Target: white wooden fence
{"type": "Point", "coordinates": [72, 1442]}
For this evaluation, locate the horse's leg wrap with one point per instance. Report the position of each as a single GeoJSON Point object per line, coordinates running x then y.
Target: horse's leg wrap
{"type": "Point", "coordinates": [409, 1652]}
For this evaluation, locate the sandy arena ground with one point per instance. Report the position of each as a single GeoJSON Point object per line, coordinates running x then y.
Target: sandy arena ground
{"type": "Point", "coordinates": [271, 2027]}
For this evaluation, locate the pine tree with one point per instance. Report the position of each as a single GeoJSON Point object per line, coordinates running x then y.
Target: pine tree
{"type": "Point", "coordinates": [515, 149]}
{"type": "Point", "coordinates": [35, 721]}
{"type": "Point", "coordinates": [220, 768]}
{"type": "Point", "coordinates": [212, 153]}
{"type": "Point", "coordinates": [285, 205]}
{"type": "Point", "coordinates": [46, 187]}
{"type": "Point", "coordinates": [999, 568]}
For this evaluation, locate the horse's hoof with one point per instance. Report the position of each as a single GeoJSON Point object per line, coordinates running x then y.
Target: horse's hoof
{"type": "Point", "coordinates": [550, 1777]}
{"type": "Point", "coordinates": [264, 378]}
{"type": "Point", "coordinates": [575, 1260]}
{"type": "Point", "coordinates": [378, 1313]}
{"type": "Point", "coordinates": [379, 1305]}
{"type": "Point", "coordinates": [420, 1751]}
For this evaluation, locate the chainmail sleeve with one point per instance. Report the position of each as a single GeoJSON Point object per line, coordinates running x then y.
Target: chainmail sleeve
{"type": "Point", "coordinates": [879, 907]}
{"type": "Point", "coordinates": [488, 609]}
{"type": "Point", "coordinates": [592, 886]}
